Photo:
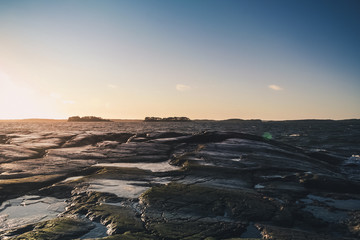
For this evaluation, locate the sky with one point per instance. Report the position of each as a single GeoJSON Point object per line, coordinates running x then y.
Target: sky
{"type": "Point", "coordinates": [203, 59]}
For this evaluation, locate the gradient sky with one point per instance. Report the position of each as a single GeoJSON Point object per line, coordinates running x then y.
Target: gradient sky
{"type": "Point", "coordinates": [201, 59]}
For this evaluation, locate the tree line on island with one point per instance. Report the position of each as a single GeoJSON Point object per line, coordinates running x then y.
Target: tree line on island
{"type": "Point", "coordinates": [147, 119]}
{"type": "Point", "coordinates": [87, 119]}
{"type": "Point", "coordinates": [168, 119]}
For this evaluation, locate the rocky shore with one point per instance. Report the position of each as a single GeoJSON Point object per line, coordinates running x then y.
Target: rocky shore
{"type": "Point", "coordinates": [170, 185]}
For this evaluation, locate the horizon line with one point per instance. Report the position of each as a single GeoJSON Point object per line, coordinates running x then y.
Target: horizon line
{"type": "Point", "coordinates": [197, 119]}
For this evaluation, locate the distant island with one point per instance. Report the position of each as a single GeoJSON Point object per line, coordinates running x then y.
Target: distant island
{"type": "Point", "coordinates": [235, 120]}
{"type": "Point", "coordinates": [87, 119]}
{"type": "Point", "coordinates": [168, 119]}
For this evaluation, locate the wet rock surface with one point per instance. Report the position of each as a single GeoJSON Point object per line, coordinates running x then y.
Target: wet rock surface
{"type": "Point", "coordinates": [172, 185]}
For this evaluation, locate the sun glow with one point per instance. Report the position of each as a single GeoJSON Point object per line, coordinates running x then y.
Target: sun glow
{"type": "Point", "coordinates": [19, 100]}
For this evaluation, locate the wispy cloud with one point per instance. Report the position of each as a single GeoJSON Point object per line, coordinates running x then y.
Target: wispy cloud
{"type": "Point", "coordinates": [113, 86]}
{"type": "Point", "coordinates": [68, 102]}
{"type": "Point", "coordinates": [60, 98]}
{"type": "Point", "coordinates": [275, 87]}
{"type": "Point", "coordinates": [55, 95]}
{"type": "Point", "coordinates": [182, 87]}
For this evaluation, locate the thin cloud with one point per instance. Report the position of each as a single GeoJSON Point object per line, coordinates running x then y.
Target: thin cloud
{"type": "Point", "coordinates": [275, 87]}
{"type": "Point", "coordinates": [68, 102]}
{"type": "Point", "coordinates": [112, 86]}
{"type": "Point", "coordinates": [182, 87]}
{"type": "Point", "coordinates": [55, 95]}
{"type": "Point", "coordinates": [60, 98]}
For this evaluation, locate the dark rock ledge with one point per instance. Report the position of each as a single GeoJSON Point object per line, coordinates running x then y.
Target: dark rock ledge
{"type": "Point", "coordinates": [223, 186]}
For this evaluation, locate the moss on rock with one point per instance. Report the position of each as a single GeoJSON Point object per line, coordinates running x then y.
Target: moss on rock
{"type": "Point", "coordinates": [60, 228]}
{"type": "Point", "coordinates": [131, 236]}
{"type": "Point", "coordinates": [180, 211]}
{"type": "Point", "coordinates": [117, 219]}
{"type": "Point", "coordinates": [210, 202]}
{"type": "Point", "coordinates": [200, 229]}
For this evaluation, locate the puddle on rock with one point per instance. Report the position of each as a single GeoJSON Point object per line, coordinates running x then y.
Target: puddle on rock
{"type": "Point", "coordinates": [28, 210]}
{"type": "Point", "coordinates": [99, 231]}
{"type": "Point", "coordinates": [347, 204]}
{"type": "Point", "coordinates": [121, 188]}
{"type": "Point", "coordinates": [73, 178]}
{"type": "Point", "coordinates": [226, 183]}
{"type": "Point", "coordinates": [259, 186]}
{"type": "Point", "coordinates": [251, 232]}
{"type": "Point", "coordinates": [154, 167]}
{"type": "Point", "coordinates": [325, 214]}
{"type": "Point", "coordinates": [354, 160]}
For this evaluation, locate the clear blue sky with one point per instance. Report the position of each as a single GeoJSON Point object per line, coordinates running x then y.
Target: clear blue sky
{"type": "Point", "coordinates": [201, 59]}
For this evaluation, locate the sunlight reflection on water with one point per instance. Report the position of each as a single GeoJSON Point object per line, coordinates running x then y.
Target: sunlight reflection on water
{"type": "Point", "coordinates": [29, 209]}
